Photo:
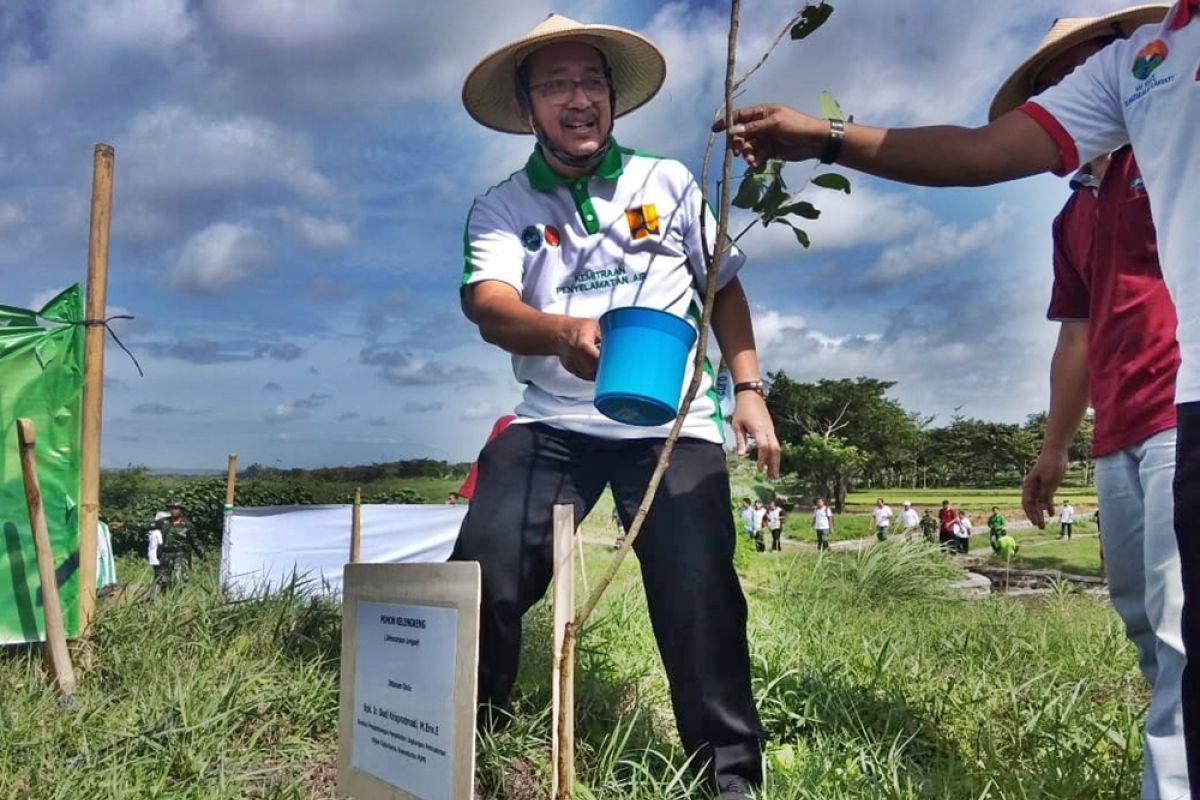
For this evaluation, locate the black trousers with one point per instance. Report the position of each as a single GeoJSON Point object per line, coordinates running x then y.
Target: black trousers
{"type": "Point", "coordinates": [685, 550]}
{"type": "Point", "coordinates": [1187, 531]}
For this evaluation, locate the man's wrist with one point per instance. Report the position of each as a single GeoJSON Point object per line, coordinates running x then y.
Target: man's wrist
{"type": "Point", "coordinates": [756, 386]}
{"type": "Point", "coordinates": [833, 141]}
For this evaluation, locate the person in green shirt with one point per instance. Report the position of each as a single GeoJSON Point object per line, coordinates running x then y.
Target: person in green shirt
{"type": "Point", "coordinates": [1006, 546]}
{"type": "Point", "coordinates": [995, 525]}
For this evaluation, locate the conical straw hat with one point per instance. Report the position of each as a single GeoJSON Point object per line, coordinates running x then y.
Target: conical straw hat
{"type": "Point", "coordinates": [1064, 34]}
{"type": "Point", "coordinates": [638, 69]}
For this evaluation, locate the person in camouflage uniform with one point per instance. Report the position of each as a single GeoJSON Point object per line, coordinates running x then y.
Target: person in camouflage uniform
{"type": "Point", "coordinates": [178, 547]}
{"type": "Point", "coordinates": [929, 526]}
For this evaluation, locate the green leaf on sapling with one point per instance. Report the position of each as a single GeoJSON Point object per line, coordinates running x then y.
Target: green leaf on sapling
{"type": "Point", "coordinates": [811, 18]}
{"type": "Point", "coordinates": [832, 180]}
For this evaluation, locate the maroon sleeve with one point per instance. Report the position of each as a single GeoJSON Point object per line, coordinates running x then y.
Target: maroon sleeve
{"type": "Point", "coordinates": [1069, 297]}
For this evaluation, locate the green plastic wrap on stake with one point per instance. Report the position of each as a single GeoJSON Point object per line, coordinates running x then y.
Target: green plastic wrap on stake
{"type": "Point", "coordinates": [41, 377]}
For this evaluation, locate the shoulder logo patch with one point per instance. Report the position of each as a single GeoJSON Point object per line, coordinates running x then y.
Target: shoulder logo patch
{"type": "Point", "coordinates": [1149, 58]}
{"type": "Point", "coordinates": [531, 238]}
{"type": "Point", "coordinates": [643, 221]}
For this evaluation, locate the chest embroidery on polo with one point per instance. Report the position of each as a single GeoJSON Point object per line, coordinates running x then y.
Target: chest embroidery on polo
{"type": "Point", "coordinates": [643, 221]}
{"type": "Point", "coordinates": [602, 279]}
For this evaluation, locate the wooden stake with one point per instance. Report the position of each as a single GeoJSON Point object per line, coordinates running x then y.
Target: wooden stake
{"type": "Point", "coordinates": [93, 380]}
{"type": "Point", "coordinates": [562, 672]}
{"type": "Point", "coordinates": [582, 565]}
{"type": "Point", "coordinates": [230, 482]}
{"type": "Point", "coordinates": [356, 527]}
{"type": "Point", "coordinates": [56, 632]}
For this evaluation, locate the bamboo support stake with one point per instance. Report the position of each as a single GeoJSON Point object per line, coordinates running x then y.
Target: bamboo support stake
{"type": "Point", "coordinates": [230, 482]}
{"type": "Point", "coordinates": [56, 632]}
{"type": "Point", "coordinates": [93, 379]}
{"type": "Point", "coordinates": [562, 673]}
{"type": "Point", "coordinates": [582, 565]}
{"type": "Point", "coordinates": [356, 527]}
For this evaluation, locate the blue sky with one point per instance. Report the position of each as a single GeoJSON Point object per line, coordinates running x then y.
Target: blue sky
{"type": "Point", "coordinates": [292, 179]}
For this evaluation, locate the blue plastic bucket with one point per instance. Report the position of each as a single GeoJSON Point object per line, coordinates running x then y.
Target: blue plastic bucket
{"type": "Point", "coordinates": [643, 355]}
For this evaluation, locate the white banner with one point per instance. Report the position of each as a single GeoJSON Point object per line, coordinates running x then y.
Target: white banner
{"type": "Point", "coordinates": [265, 547]}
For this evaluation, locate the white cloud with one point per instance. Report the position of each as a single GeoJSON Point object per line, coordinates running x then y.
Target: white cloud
{"type": "Point", "coordinates": [286, 412]}
{"type": "Point", "coordinates": [115, 27]}
{"type": "Point", "coordinates": [476, 411]}
{"type": "Point", "coordinates": [866, 216]}
{"type": "Point", "coordinates": [943, 245]}
{"type": "Point", "coordinates": [11, 216]}
{"type": "Point", "coordinates": [218, 257]}
{"type": "Point", "coordinates": [316, 231]}
{"type": "Point", "coordinates": [174, 152]}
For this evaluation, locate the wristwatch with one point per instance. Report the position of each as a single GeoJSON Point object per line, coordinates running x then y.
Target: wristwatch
{"type": "Point", "coordinates": [749, 386]}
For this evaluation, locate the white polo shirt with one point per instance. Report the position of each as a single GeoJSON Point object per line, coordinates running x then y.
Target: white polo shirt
{"type": "Point", "coordinates": [1145, 91]}
{"type": "Point", "coordinates": [822, 517]}
{"type": "Point", "coordinates": [626, 235]}
{"type": "Point", "coordinates": [882, 516]}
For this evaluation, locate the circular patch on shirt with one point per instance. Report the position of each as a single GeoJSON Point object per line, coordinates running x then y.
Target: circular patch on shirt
{"type": "Point", "coordinates": [552, 236]}
{"type": "Point", "coordinates": [531, 238]}
{"type": "Point", "coordinates": [1149, 58]}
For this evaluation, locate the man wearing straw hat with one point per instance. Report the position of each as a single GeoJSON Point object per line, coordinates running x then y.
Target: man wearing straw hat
{"type": "Point", "coordinates": [1117, 351]}
{"type": "Point", "coordinates": [1142, 90]}
{"type": "Point", "coordinates": [586, 226]}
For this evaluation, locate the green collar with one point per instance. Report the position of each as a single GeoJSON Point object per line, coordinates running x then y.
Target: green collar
{"type": "Point", "coordinates": [543, 178]}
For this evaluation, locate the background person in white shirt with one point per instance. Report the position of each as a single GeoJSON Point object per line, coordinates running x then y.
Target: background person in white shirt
{"type": "Point", "coordinates": [760, 525]}
{"type": "Point", "coordinates": [962, 532]}
{"type": "Point", "coordinates": [1066, 518]}
{"type": "Point", "coordinates": [822, 523]}
{"type": "Point", "coordinates": [910, 521]}
{"type": "Point", "coordinates": [775, 524]}
{"type": "Point", "coordinates": [748, 517]}
{"type": "Point", "coordinates": [154, 540]}
{"type": "Point", "coordinates": [882, 517]}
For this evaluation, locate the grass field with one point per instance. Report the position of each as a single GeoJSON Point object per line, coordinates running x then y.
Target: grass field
{"type": "Point", "coordinates": [870, 682]}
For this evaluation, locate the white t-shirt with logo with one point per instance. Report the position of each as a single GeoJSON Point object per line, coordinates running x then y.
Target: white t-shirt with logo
{"type": "Point", "coordinates": [1145, 91]}
{"type": "Point", "coordinates": [1066, 513]}
{"type": "Point", "coordinates": [773, 518]}
{"type": "Point", "coordinates": [822, 518]}
{"type": "Point", "coordinates": [627, 235]}
{"type": "Point", "coordinates": [882, 516]}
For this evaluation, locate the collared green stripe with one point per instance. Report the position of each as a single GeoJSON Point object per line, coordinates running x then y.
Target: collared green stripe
{"type": "Point", "coordinates": [543, 178]}
{"type": "Point", "coordinates": [695, 312]}
{"type": "Point", "coordinates": [468, 262]}
{"type": "Point", "coordinates": [716, 416]}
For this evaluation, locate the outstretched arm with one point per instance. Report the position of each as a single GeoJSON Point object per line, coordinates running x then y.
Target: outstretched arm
{"type": "Point", "coordinates": [1013, 146]}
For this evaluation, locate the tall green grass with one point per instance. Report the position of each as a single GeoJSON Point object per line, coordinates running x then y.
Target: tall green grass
{"type": "Point", "coordinates": [870, 681]}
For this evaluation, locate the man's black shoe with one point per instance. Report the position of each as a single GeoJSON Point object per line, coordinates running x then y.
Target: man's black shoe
{"type": "Point", "coordinates": [735, 787]}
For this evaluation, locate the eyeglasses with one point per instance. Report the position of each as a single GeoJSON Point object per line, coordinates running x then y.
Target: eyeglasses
{"type": "Point", "coordinates": [561, 90]}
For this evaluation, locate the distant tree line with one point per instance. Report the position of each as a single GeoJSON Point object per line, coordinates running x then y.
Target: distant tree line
{"type": "Point", "coordinates": [365, 473]}
{"type": "Point", "coordinates": [841, 434]}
